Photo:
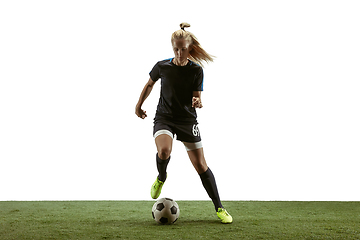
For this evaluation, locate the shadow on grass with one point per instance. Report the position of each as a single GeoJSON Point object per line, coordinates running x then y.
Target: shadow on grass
{"type": "Point", "coordinates": [152, 224]}
{"type": "Point", "coordinates": [198, 222]}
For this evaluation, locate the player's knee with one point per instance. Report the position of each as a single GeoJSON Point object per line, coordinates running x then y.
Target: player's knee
{"type": "Point", "coordinates": [201, 167]}
{"type": "Point", "coordinates": [164, 153]}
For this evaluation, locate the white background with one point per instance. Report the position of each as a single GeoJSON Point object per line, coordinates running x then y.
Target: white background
{"type": "Point", "coordinates": [281, 101]}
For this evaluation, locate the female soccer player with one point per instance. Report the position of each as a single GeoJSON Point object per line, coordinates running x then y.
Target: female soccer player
{"type": "Point", "coordinates": [181, 86]}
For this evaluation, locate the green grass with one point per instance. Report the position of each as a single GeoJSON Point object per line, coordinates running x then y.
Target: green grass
{"type": "Point", "coordinates": [198, 220]}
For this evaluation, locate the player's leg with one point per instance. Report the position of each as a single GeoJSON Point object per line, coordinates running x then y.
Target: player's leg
{"type": "Point", "coordinates": [207, 177]}
{"type": "Point", "coordinates": [163, 141]}
{"type": "Point", "coordinates": [197, 158]}
{"type": "Point", "coordinates": [164, 147]}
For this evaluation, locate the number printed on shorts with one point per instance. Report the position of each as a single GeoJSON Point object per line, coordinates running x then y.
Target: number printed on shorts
{"type": "Point", "coordinates": [195, 130]}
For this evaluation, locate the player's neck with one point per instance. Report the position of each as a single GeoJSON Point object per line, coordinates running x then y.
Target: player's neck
{"type": "Point", "coordinates": [178, 62]}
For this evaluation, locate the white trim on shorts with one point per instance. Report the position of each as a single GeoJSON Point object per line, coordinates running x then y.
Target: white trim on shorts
{"type": "Point", "coordinates": [163, 131]}
{"type": "Point", "coordinates": [188, 146]}
{"type": "Point", "coordinates": [192, 146]}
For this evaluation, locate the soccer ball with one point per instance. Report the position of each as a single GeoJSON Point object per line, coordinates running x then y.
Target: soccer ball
{"type": "Point", "coordinates": [165, 211]}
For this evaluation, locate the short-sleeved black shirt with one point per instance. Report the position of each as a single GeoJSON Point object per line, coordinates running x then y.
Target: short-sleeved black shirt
{"type": "Point", "coordinates": [177, 86]}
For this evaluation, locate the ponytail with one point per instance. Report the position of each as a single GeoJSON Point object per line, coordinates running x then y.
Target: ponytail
{"type": "Point", "coordinates": [197, 54]}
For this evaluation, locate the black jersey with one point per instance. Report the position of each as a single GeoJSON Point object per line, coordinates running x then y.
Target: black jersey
{"type": "Point", "coordinates": [177, 86]}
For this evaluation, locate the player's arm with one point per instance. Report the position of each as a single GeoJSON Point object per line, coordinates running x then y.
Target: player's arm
{"type": "Point", "coordinates": [196, 100]}
{"type": "Point", "coordinates": [144, 94]}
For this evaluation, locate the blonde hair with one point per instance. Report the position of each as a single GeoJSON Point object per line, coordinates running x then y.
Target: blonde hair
{"type": "Point", "coordinates": [197, 54]}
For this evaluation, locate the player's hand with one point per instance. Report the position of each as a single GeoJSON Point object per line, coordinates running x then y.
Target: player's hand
{"type": "Point", "coordinates": [140, 113]}
{"type": "Point", "coordinates": [196, 102]}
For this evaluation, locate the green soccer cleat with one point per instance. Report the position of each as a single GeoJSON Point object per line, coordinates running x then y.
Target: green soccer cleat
{"type": "Point", "coordinates": [224, 215]}
{"type": "Point", "coordinates": [156, 188]}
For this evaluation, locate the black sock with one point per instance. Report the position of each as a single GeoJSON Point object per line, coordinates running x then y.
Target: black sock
{"type": "Point", "coordinates": [208, 180]}
{"type": "Point", "coordinates": [161, 166]}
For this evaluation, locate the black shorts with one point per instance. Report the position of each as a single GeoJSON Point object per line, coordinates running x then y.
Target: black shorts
{"type": "Point", "coordinates": [185, 132]}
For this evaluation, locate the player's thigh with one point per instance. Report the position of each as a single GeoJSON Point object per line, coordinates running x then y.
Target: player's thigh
{"type": "Point", "coordinates": [163, 135]}
{"type": "Point", "coordinates": [164, 145]}
{"type": "Point", "coordinates": [197, 159]}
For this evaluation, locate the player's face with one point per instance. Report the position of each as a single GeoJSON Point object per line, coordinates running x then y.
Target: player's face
{"type": "Point", "coordinates": [181, 49]}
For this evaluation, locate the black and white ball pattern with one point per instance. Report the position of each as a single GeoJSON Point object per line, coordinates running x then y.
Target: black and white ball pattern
{"type": "Point", "coordinates": [165, 211]}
